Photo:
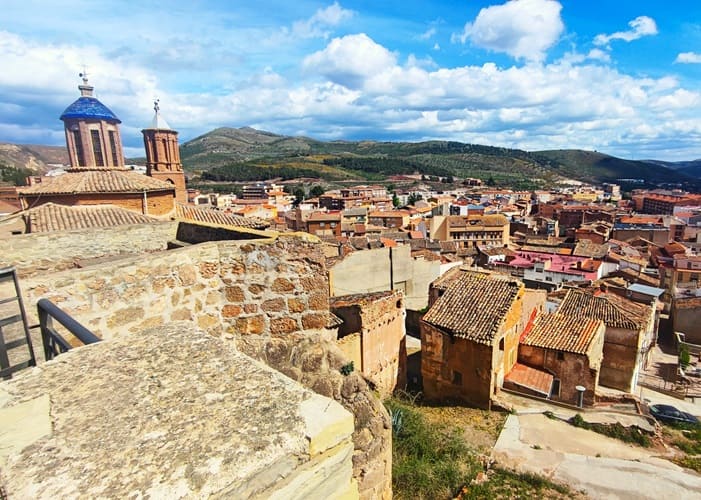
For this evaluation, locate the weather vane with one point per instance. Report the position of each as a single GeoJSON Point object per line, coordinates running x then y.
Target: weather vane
{"type": "Point", "coordinates": [84, 75]}
{"type": "Point", "coordinates": [156, 107]}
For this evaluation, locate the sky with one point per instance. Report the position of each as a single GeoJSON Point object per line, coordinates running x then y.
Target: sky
{"type": "Point", "coordinates": [621, 77]}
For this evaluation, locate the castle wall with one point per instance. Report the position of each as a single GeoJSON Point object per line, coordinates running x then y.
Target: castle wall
{"type": "Point", "coordinates": [269, 298]}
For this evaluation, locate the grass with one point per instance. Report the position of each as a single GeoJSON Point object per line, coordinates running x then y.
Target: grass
{"type": "Point", "coordinates": [433, 460]}
{"type": "Point", "coordinates": [631, 435]}
{"type": "Point", "coordinates": [687, 438]}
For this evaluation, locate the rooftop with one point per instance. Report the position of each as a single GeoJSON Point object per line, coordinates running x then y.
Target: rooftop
{"type": "Point", "coordinates": [106, 180]}
{"type": "Point", "coordinates": [473, 305]}
{"type": "Point", "coordinates": [89, 108]}
{"type": "Point", "coordinates": [563, 333]}
{"type": "Point", "coordinates": [54, 217]}
{"type": "Point", "coordinates": [614, 310]}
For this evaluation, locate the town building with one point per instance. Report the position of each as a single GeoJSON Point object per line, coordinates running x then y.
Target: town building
{"type": "Point", "coordinates": [471, 230]}
{"type": "Point", "coordinates": [470, 334]}
{"type": "Point", "coordinates": [569, 349]}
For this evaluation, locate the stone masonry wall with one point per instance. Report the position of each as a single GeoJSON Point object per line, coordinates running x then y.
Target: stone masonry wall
{"type": "Point", "coordinates": [40, 253]}
{"type": "Point", "coordinates": [269, 297]}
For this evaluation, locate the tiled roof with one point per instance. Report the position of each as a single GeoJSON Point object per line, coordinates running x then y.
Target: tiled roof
{"type": "Point", "coordinates": [474, 305]}
{"type": "Point", "coordinates": [562, 333]}
{"type": "Point", "coordinates": [615, 311]}
{"type": "Point", "coordinates": [530, 378]}
{"type": "Point", "coordinates": [586, 248]}
{"type": "Point", "coordinates": [218, 217]}
{"type": "Point", "coordinates": [89, 108]}
{"type": "Point", "coordinates": [97, 181]}
{"type": "Point", "coordinates": [53, 217]}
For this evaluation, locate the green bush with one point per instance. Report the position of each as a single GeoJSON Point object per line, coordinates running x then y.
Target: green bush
{"type": "Point", "coordinates": [684, 356]}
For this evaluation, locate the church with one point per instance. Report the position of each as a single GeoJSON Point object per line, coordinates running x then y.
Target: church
{"type": "Point", "coordinates": [97, 175]}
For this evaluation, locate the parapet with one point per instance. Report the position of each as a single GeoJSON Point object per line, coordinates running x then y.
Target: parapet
{"type": "Point", "coordinates": [170, 412]}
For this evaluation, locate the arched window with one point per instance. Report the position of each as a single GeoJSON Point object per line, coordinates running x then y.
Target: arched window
{"type": "Point", "coordinates": [79, 152]}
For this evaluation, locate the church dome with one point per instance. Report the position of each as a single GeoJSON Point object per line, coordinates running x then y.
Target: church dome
{"type": "Point", "coordinates": [89, 108]}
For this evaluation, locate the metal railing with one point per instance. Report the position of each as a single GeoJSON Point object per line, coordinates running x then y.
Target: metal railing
{"type": "Point", "coordinates": [54, 343]}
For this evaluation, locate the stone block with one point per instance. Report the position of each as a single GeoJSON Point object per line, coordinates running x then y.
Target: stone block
{"type": "Point", "coordinates": [319, 301]}
{"type": "Point", "coordinates": [273, 305]}
{"type": "Point", "coordinates": [256, 289]}
{"type": "Point", "coordinates": [282, 285]}
{"type": "Point", "coordinates": [283, 325]}
{"type": "Point", "coordinates": [234, 294]}
{"type": "Point", "coordinates": [207, 321]}
{"type": "Point", "coordinates": [231, 311]}
{"type": "Point", "coordinates": [125, 316]}
{"type": "Point", "coordinates": [254, 325]}
{"type": "Point", "coordinates": [181, 315]}
{"type": "Point", "coordinates": [187, 274]}
{"type": "Point", "coordinates": [209, 269]}
{"type": "Point", "coordinates": [295, 305]}
{"type": "Point", "coordinates": [250, 308]}
{"type": "Point", "coordinates": [314, 321]}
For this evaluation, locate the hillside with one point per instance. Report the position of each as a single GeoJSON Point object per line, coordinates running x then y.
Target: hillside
{"type": "Point", "coordinates": [245, 154]}
{"type": "Point", "coordinates": [32, 157]}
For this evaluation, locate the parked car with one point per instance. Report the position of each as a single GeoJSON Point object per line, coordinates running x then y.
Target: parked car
{"type": "Point", "coordinates": [670, 415]}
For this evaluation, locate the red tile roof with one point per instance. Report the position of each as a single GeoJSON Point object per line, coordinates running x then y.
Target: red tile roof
{"type": "Point", "coordinates": [530, 378]}
{"type": "Point", "coordinates": [614, 310]}
{"type": "Point", "coordinates": [53, 217]}
{"type": "Point", "coordinates": [189, 212]}
{"type": "Point", "coordinates": [97, 181]}
{"type": "Point", "coordinates": [474, 305]}
{"type": "Point", "coordinates": [563, 333]}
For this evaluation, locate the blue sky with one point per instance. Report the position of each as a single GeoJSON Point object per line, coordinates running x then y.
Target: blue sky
{"type": "Point", "coordinates": [621, 77]}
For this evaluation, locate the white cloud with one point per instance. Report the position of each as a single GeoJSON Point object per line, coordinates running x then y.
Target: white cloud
{"type": "Point", "coordinates": [350, 60]}
{"type": "Point", "coordinates": [640, 26]}
{"type": "Point", "coordinates": [524, 29]}
{"type": "Point", "coordinates": [428, 34]}
{"type": "Point", "coordinates": [318, 24]}
{"type": "Point", "coordinates": [688, 58]}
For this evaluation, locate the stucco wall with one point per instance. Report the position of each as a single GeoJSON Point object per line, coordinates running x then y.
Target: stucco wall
{"type": "Point", "coordinates": [369, 271]}
{"type": "Point", "coordinates": [685, 317]}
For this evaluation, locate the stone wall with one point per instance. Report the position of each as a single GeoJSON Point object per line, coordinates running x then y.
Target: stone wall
{"type": "Point", "coordinates": [268, 297]}
{"type": "Point", "coordinates": [169, 413]}
{"type": "Point", "coordinates": [379, 318]}
{"type": "Point", "coordinates": [43, 253]}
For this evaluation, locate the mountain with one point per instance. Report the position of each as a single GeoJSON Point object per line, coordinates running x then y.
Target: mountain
{"type": "Point", "coordinates": [690, 168]}
{"type": "Point", "coordinates": [32, 157]}
{"type": "Point", "coordinates": [227, 154]}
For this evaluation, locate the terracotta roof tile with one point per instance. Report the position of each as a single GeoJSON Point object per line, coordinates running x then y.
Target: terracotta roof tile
{"type": "Point", "coordinates": [563, 333]}
{"type": "Point", "coordinates": [474, 305]}
{"type": "Point", "coordinates": [530, 378]}
{"type": "Point", "coordinates": [97, 181]}
{"type": "Point", "coordinates": [613, 310]}
{"type": "Point", "coordinates": [210, 216]}
{"type": "Point", "coordinates": [53, 217]}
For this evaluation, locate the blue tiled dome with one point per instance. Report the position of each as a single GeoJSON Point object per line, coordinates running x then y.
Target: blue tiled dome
{"type": "Point", "coordinates": [89, 108]}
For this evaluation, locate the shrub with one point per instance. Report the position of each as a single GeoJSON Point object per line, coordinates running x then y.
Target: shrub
{"type": "Point", "coordinates": [347, 369]}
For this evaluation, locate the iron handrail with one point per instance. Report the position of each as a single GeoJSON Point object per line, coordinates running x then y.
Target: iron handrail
{"type": "Point", "coordinates": [54, 343]}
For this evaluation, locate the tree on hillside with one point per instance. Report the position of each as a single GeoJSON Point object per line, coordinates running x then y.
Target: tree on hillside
{"type": "Point", "coordinates": [299, 195]}
{"type": "Point", "coordinates": [395, 200]}
{"type": "Point", "coordinates": [316, 191]}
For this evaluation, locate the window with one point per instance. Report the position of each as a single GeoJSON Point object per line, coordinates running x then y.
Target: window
{"type": "Point", "coordinates": [457, 378]}
{"type": "Point", "coordinates": [560, 356]}
{"type": "Point", "coordinates": [501, 344]}
{"type": "Point", "coordinates": [79, 152]}
{"type": "Point", "coordinates": [97, 148]}
{"type": "Point", "coordinates": [548, 278]}
{"type": "Point", "coordinates": [113, 147]}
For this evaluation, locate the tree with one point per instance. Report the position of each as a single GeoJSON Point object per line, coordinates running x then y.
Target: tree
{"type": "Point", "coordinates": [316, 191]}
{"type": "Point", "coordinates": [299, 195]}
{"type": "Point", "coordinates": [395, 200]}
{"type": "Point", "coordinates": [491, 181]}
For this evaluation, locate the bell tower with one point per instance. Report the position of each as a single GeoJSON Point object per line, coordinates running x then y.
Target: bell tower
{"type": "Point", "coordinates": [163, 155]}
{"type": "Point", "coordinates": [92, 132]}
